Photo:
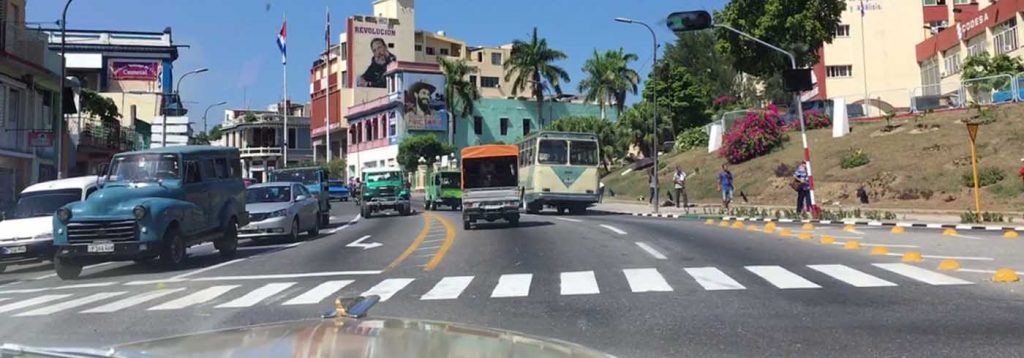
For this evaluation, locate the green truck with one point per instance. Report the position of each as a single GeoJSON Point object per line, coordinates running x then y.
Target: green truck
{"type": "Point", "coordinates": [384, 189]}
{"type": "Point", "coordinates": [444, 187]}
{"type": "Point", "coordinates": [315, 180]}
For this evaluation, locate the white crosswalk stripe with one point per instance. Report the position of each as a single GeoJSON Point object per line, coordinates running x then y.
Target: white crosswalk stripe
{"type": "Point", "coordinates": [132, 301]}
{"type": "Point", "coordinates": [318, 293]}
{"type": "Point", "coordinates": [513, 285]}
{"type": "Point", "coordinates": [70, 304]}
{"type": "Point", "coordinates": [448, 288]}
{"type": "Point", "coordinates": [257, 295]}
{"type": "Point", "coordinates": [646, 280]}
{"type": "Point", "coordinates": [849, 275]}
{"type": "Point", "coordinates": [579, 283]}
{"type": "Point", "coordinates": [713, 279]}
{"type": "Point", "coordinates": [389, 287]}
{"type": "Point", "coordinates": [920, 274]}
{"type": "Point", "coordinates": [31, 302]}
{"type": "Point", "coordinates": [781, 278]}
{"type": "Point", "coordinates": [201, 296]}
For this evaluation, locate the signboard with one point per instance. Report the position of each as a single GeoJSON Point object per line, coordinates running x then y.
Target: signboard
{"type": "Point", "coordinates": [40, 139]}
{"type": "Point", "coordinates": [134, 70]}
{"type": "Point", "coordinates": [424, 104]}
{"type": "Point", "coordinates": [370, 52]}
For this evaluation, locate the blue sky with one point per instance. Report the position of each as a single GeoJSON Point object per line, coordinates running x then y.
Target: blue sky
{"type": "Point", "coordinates": [236, 39]}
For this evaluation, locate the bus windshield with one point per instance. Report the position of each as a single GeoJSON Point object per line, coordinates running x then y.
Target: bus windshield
{"type": "Point", "coordinates": [583, 153]}
{"type": "Point", "coordinates": [552, 151]}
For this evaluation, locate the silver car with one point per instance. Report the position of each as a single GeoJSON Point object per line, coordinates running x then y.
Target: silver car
{"type": "Point", "coordinates": [280, 209]}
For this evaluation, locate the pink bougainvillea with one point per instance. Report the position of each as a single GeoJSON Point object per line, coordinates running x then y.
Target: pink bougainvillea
{"type": "Point", "coordinates": [813, 120]}
{"type": "Point", "coordinates": [753, 136]}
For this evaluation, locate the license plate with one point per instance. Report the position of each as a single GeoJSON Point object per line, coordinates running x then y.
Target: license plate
{"type": "Point", "coordinates": [104, 247]}
{"type": "Point", "coordinates": [493, 207]}
{"type": "Point", "coordinates": [16, 249]}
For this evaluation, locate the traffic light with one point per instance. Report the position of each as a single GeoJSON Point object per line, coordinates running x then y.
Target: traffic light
{"type": "Point", "coordinates": [689, 21]}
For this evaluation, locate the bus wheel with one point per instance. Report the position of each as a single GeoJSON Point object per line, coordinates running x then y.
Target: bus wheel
{"type": "Point", "coordinates": [577, 209]}
{"type": "Point", "coordinates": [561, 210]}
{"type": "Point", "coordinates": [533, 208]}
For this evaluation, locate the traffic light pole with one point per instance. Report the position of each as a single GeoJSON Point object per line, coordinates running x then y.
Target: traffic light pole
{"type": "Point", "coordinates": [799, 112]}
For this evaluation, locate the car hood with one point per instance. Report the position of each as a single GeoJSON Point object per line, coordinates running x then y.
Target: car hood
{"type": "Point", "coordinates": [27, 227]}
{"type": "Point", "coordinates": [121, 198]}
{"type": "Point", "coordinates": [344, 337]}
{"type": "Point", "coordinates": [259, 208]}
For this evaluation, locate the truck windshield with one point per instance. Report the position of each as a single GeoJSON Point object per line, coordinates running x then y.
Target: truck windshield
{"type": "Point", "coordinates": [144, 167]}
{"type": "Point", "coordinates": [385, 176]}
{"type": "Point", "coordinates": [44, 203]}
{"type": "Point", "coordinates": [301, 176]}
{"type": "Point", "coordinates": [268, 194]}
{"type": "Point", "coordinates": [451, 180]}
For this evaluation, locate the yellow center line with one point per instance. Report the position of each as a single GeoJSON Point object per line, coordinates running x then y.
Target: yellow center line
{"type": "Point", "coordinates": [415, 243]}
{"type": "Point", "coordinates": [447, 244]}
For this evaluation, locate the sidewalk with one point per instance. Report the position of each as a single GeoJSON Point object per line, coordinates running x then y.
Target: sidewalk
{"type": "Point", "coordinates": [906, 217]}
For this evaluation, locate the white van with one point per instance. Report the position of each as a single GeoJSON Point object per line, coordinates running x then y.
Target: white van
{"type": "Point", "coordinates": [26, 234]}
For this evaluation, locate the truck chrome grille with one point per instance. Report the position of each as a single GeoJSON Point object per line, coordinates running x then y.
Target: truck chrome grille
{"type": "Point", "coordinates": [121, 230]}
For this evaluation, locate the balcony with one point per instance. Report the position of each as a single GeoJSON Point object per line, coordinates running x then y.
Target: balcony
{"type": "Point", "coordinates": [28, 45]}
{"type": "Point", "coordinates": [105, 135]}
{"type": "Point", "coordinates": [262, 152]}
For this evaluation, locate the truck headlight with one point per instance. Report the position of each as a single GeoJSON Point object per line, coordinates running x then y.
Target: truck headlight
{"type": "Point", "coordinates": [64, 215]}
{"type": "Point", "coordinates": [278, 213]}
{"type": "Point", "coordinates": [139, 212]}
{"type": "Point", "coordinates": [470, 205]}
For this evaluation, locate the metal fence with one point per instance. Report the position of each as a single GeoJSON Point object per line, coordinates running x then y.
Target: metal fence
{"type": "Point", "coordinates": [989, 90]}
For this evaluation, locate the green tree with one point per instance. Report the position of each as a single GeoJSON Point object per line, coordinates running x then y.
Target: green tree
{"type": "Point", "coordinates": [609, 79]}
{"type": "Point", "coordinates": [530, 64]}
{"type": "Point", "coordinates": [336, 169]}
{"type": "Point", "coordinates": [682, 97]}
{"type": "Point", "coordinates": [800, 27]}
{"type": "Point", "coordinates": [427, 146]}
{"type": "Point", "coordinates": [607, 134]}
{"type": "Point", "coordinates": [460, 94]}
{"type": "Point", "coordinates": [102, 107]}
{"type": "Point", "coordinates": [984, 65]}
{"type": "Point", "coordinates": [634, 128]}
{"type": "Point", "coordinates": [696, 52]}
{"type": "Point", "coordinates": [215, 132]}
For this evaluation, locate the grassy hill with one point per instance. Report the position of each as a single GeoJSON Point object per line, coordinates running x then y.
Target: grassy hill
{"type": "Point", "coordinates": [919, 164]}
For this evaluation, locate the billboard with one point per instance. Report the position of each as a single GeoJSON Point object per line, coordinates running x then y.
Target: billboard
{"type": "Point", "coordinates": [424, 102]}
{"type": "Point", "coordinates": [134, 70]}
{"type": "Point", "coordinates": [370, 51]}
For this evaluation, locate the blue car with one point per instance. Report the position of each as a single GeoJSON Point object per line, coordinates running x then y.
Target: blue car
{"type": "Point", "coordinates": [337, 190]}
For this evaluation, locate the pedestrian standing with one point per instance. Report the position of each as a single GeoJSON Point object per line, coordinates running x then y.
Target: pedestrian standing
{"type": "Point", "coordinates": [803, 189]}
{"type": "Point", "coordinates": [680, 185]}
{"type": "Point", "coordinates": [725, 185]}
{"type": "Point", "coordinates": [600, 191]}
{"type": "Point", "coordinates": [650, 181]}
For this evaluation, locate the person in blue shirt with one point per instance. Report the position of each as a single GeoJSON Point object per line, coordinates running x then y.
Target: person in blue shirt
{"type": "Point", "coordinates": [725, 185]}
{"type": "Point", "coordinates": [803, 189]}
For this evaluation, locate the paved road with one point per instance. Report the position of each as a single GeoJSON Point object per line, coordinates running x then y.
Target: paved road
{"type": "Point", "coordinates": [630, 286]}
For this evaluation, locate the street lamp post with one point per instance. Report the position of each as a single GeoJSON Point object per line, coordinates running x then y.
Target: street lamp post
{"type": "Point", "coordinates": [205, 129]}
{"type": "Point", "coordinates": [163, 109]}
{"type": "Point", "coordinates": [59, 128]}
{"type": "Point", "coordinates": [654, 63]}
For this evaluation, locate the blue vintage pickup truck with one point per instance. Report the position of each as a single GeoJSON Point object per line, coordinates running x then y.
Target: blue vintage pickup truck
{"type": "Point", "coordinates": [154, 204]}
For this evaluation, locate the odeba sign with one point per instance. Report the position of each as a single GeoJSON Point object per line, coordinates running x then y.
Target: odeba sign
{"type": "Point", "coordinates": [970, 27]}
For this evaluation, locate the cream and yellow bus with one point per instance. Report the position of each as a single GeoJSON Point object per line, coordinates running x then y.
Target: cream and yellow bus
{"type": "Point", "coordinates": [558, 170]}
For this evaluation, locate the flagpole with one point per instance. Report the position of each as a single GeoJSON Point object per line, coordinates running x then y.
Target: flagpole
{"type": "Point", "coordinates": [284, 75]}
{"type": "Point", "coordinates": [863, 55]}
{"type": "Point", "coordinates": [327, 95]}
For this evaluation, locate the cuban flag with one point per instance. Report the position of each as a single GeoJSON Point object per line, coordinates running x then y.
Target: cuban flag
{"type": "Point", "coordinates": [281, 42]}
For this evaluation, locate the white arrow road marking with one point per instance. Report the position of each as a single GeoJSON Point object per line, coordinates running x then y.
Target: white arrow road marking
{"type": "Point", "coordinates": [615, 229]}
{"type": "Point", "coordinates": [368, 245]}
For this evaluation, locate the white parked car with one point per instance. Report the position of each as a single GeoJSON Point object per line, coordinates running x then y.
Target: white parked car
{"type": "Point", "coordinates": [280, 209]}
{"type": "Point", "coordinates": [26, 234]}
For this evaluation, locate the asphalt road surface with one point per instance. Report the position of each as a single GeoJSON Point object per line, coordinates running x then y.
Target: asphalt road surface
{"type": "Point", "coordinates": [629, 286]}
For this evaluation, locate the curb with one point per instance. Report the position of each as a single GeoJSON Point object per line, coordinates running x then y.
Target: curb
{"type": "Point", "coordinates": [879, 223]}
{"type": "Point", "coordinates": [667, 216]}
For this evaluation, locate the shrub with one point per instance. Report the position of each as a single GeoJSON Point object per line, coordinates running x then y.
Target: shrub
{"type": "Point", "coordinates": [815, 120]}
{"type": "Point", "coordinates": [756, 135]}
{"type": "Point", "coordinates": [986, 176]}
{"type": "Point", "coordinates": [695, 137]}
{"type": "Point", "coordinates": [854, 158]}
{"type": "Point", "coordinates": [783, 170]}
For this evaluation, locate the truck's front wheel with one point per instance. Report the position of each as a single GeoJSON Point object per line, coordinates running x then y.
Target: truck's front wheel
{"type": "Point", "coordinates": [67, 269]}
{"type": "Point", "coordinates": [228, 244]}
{"type": "Point", "coordinates": [404, 210]}
{"type": "Point", "coordinates": [172, 254]}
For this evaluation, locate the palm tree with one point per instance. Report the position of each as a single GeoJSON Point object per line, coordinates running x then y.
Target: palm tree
{"type": "Point", "coordinates": [530, 64]}
{"type": "Point", "coordinates": [609, 79]}
{"type": "Point", "coordinates": [460, 94]}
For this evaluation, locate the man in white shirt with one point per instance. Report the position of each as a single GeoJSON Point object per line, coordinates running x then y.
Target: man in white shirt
{"type": "Point", "coordinates": [680, 184]}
